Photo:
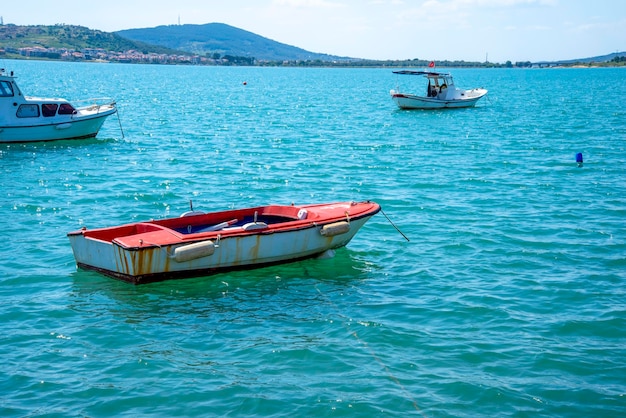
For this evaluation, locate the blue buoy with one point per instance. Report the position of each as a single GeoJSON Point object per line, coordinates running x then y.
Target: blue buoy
{"type": "Point", "coordinates": [579, 159]}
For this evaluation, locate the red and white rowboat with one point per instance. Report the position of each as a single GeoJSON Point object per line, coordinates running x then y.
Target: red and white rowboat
{"type": "Point", "coordinates": [198, 244]}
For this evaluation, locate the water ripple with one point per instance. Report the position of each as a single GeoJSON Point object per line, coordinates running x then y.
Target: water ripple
{"type": "Point", "coordinates": [506, 301]}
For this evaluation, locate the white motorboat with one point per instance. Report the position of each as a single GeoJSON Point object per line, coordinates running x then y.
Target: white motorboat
{"type": "Point", "coordinates": [440, 93]}
{"type": "Point", "coordinates": [27, 119]}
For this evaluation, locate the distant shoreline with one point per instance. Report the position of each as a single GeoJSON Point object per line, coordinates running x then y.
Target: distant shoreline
{"type": "Point", "coordinates": [313, 64]}
{"type": "Point", "coordinates": [219, 45]}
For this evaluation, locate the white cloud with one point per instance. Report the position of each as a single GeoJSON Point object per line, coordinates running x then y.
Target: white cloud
{"type": "Point", "coordinates": [307, 3]}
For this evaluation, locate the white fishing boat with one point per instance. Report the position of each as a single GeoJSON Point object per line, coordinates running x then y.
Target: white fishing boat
{"type": "Point", "coordinates": [440, 93]}
{"type": "Point", "coordinates": [198, 244]}
{"type": "Point", "coordinates": [27, 119]}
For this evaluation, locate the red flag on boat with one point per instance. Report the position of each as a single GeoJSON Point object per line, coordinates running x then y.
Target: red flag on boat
{"type": "Point", "coordinates": [431, 64]}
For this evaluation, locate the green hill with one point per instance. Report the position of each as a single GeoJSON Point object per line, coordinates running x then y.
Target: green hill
{"type": "Point", "coordinates": [13, 37]}
{"type": "Point", "coordinates": [222, 39]}
{"type": "Point", "coordinates": [597, 59]}
{"type": "Point", "coordinates": [209, 41]}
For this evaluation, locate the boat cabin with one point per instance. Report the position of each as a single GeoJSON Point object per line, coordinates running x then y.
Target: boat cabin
{"type": "Point", "coordinates": [25, 108]}
{"type": "Point", "coordinates": [437, 82]}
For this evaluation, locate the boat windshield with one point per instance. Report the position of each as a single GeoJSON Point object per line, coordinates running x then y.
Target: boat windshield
{"type": "Point", "coordinates": [28, 111]}
{"type": "Point", "coordinates": [440, 80]}
{"type": "Point", "coordinates": [6, 89]}
{"type": "Point", "coordinates": [66, 109]}
{"type": "Point", "coordinates": [49, 109]}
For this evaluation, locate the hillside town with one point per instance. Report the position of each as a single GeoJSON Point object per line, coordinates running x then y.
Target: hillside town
{"type": "Point", "coordinates": [130, 56]}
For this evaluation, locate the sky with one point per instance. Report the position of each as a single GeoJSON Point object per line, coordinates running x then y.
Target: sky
{"type": "Point", "coordinates": [468, 30]}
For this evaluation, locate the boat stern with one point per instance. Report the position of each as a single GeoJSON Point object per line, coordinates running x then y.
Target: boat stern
{"type": "Point", "coordinates": [97, 254]}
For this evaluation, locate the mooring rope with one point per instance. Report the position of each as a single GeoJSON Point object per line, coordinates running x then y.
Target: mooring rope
{"type": "Point", "coordinates": [120, 123]}
{"type": "Point", "coordinates": [391, 376]}
{"type": "Point", "coordinates": [383, 212]}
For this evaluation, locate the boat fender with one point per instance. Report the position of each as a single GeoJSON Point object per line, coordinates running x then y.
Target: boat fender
{"type": "Point", "coordinates": [63, 126]}
{"type": "Point", "coordinates": [336, 228]}
{"type": "Point", "coordinates": [302, 214]}
{"type": "Point", "coordinates": [193, 251]}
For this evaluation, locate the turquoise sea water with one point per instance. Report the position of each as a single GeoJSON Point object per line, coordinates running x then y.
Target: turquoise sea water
{"type": "Point", "coordinates": [509, 299]}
